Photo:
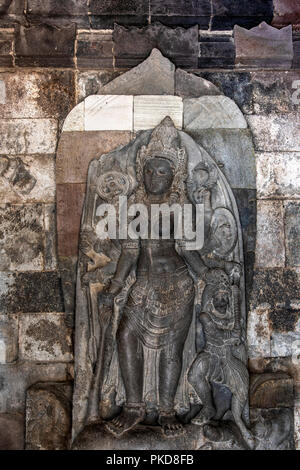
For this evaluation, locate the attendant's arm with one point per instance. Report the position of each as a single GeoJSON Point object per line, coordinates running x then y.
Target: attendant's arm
{"type": "Point", "coordinates": [194, 261]}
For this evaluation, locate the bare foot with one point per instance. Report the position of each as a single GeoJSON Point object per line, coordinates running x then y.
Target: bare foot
{"type": "Point", "coordinates": [205, 415]}
{"type": "Point", "coordinates": [171, 427]}
{"type": "Point", "coordinates": [127, 420]}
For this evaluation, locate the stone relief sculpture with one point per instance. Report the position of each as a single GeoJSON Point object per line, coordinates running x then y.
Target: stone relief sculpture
{"type": "Point", "coordinates": [160, 327]}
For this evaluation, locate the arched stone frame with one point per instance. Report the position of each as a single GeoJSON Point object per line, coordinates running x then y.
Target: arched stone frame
{"type": "Point", "coordinates": [102, 123]}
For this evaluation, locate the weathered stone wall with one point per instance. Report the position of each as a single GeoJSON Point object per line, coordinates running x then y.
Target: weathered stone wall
{"type": "Point", "coordinates": [52, 55]}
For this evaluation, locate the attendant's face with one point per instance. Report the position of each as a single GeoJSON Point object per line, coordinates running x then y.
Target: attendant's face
{"type": "Point", "coordinates": [158, 176]}
{"type": "Point", "coordinates": [221, 299]}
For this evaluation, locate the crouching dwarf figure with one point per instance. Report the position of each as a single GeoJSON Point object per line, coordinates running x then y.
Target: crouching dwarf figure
{"type": "Point", "coordinates": [221, 353]}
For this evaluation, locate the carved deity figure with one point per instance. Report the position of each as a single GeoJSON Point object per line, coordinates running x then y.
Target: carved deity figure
{"type": "Point", "coordinates": [159, 309]}
{"type": "Point", "coordinates": [221, 353]}
{"type": "Point", "coordinates": [137, 346]}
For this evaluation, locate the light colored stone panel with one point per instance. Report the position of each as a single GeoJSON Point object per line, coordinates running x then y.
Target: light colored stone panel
{"type": "Point", "coordinates": [278, 175]}
{"type": "Point", "coordinates": [212, 112]}
{"type": "Point", "coordinates": [27, 179]}
{"type": "Point", "coordinates": [286, 344]}
{"type": "Point", "coordinates": [9, 336]}
{"type": "Point", "coordinates": [109, 113]}
{"type": "Point", "coordinates": [28, 136]}
{"type": "Point", "coordinates": [149, 111]}
{"type": "Point", "coordinates": [258, 332]}
{"type": "Point", "coordinates": [44, 337]}
{"type": "Point", "coordinates": [75, 119]}
{"type": "Point", "coordinates": [276, 133]}
{"type": "Point", "coordinates": [270, 249]}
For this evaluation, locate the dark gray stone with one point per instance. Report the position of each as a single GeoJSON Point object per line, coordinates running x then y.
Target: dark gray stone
{"type": "Point", "coordinates": [216, 54]}
{"type": "Point", "coordinates": [284, 320]}
{"type": "Point", "coordinates": [292, 232]}
{"type": "Point", "coordinates": [119, 7]}
{"type": "Point", "coordinates": [272, 92]}
{"type": "Point", "coordinates": [180, 8]}
{"type": "Point", "coordinates": [227, 13]}
{"type": "Point", "coordinates": [45, 46]}
{"type": "Point", "coordinates": [58, 13]}
{"type": "Point", "coordinates": [273, 428]}
{"type": "Point", "coordinates": [280, 286]}
{"type": "Point", "coordinates": [94, 51]}
{"type": "Point", "coordinates": [185, 21]}
{"type": "Point", "coordinates": [67, 269]}
{"type": "Point", "coordinates": [50, 237]}
{"type": "Point", "coordinates": [133, 45]}
{"type": "Point", "coordinates": [246, 202]}
{"type": "Point", "coordinates": [30, 292]}
{"type": "Point", "coordinates": [108, 21]}
{"type": "Point", "coordinates": [22, 237]}
{"type": "Point", "coordinates": [104, 14]}
{"type": "Point", "coordinates": [235, 85]}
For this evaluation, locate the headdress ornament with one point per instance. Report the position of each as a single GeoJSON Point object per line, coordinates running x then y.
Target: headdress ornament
{"type": "Point", "coordinates": [164, 143]}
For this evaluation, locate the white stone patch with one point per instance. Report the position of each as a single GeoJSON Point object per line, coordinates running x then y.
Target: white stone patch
{"type": "Point", "coordinates": [270, 247]}
{"type": "Point", "coordinates": [28, 136]}
{"type": "Point", "coordinates": [41, 167]}
{"type": "Point", "coordinates": [2, 92]}
{"type": "Point", "coordinates": [258, 332]}
{"type": "Point", "coordinates": [283, 344]}
{"type": "Point", "coordinates": [212, 112]}
{"type": "Point", "coordinates": [108, 112]}
{"type": "Point", "coordinates": [8, 338]}
{"type": "Point", "coordinates": [149, 111]}
{"type": "Point", "coordinates": [44, 337]}
{"type": "Point", "coordinates": [278, 175]}
{"type": "Point", "coordinates": [75, 119]}
{"type": "Point", "coordinates": [275, 133]}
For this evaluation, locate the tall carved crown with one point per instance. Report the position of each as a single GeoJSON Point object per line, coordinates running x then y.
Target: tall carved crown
{"type": "Point", "coordinates": [164, 143]}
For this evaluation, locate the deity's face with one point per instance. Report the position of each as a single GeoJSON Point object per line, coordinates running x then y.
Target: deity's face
{"type": "Point", "coordinates": [158, 176]}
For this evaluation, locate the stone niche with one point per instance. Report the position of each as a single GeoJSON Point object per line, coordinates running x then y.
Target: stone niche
{"type": "Point", "coordinates": [107, 145]}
